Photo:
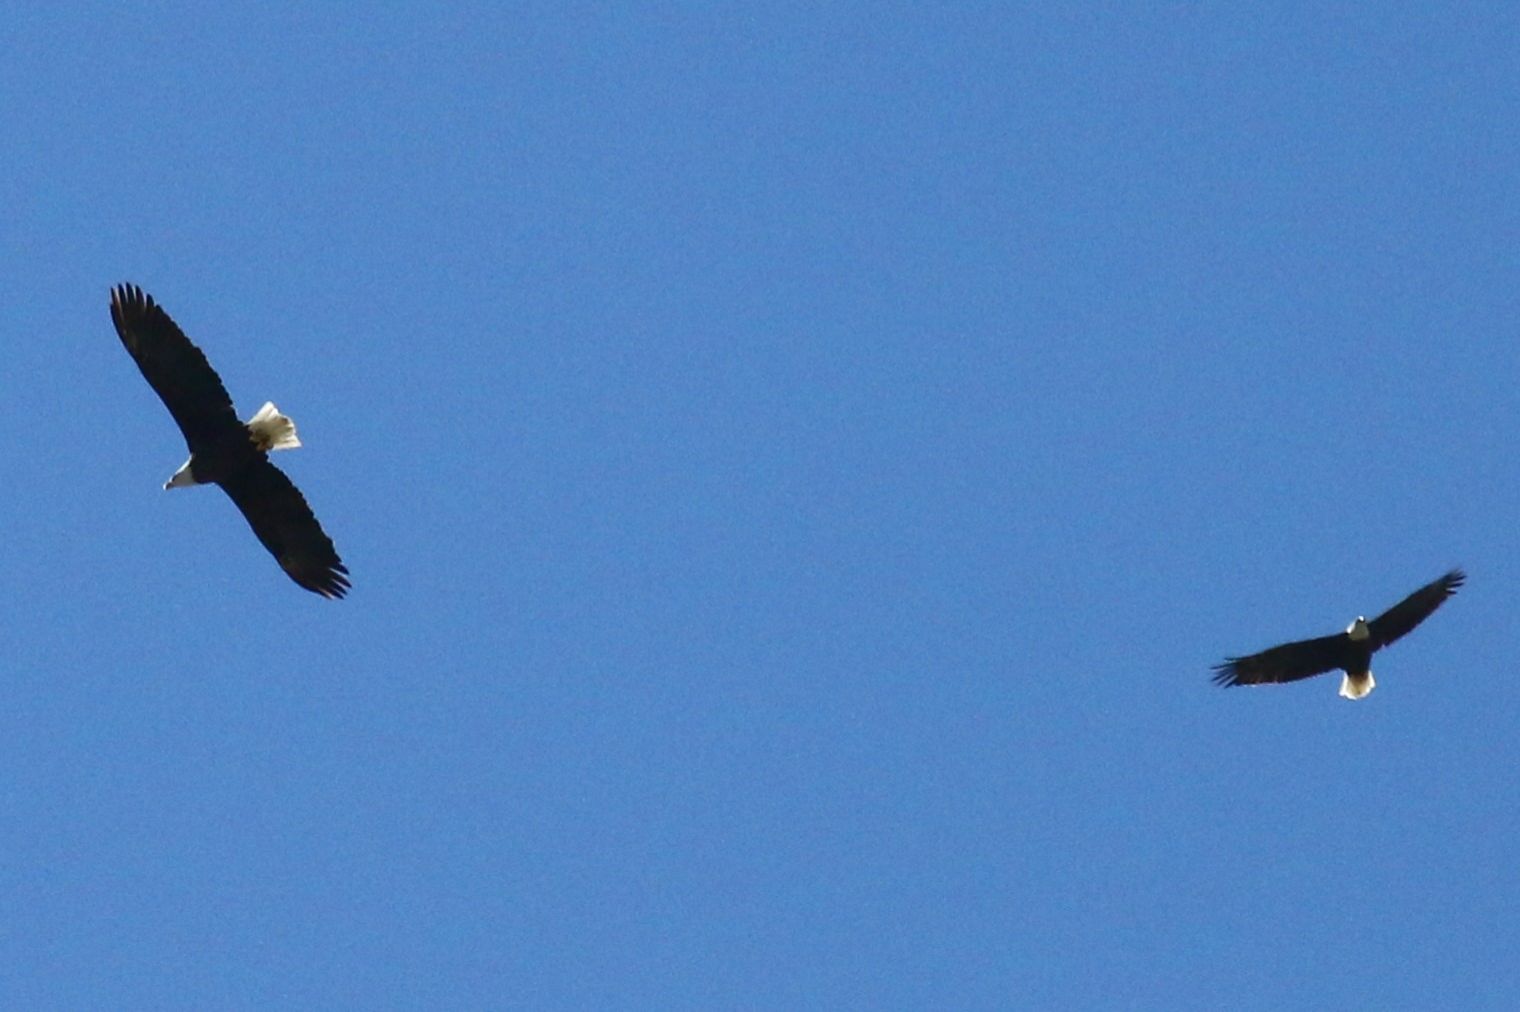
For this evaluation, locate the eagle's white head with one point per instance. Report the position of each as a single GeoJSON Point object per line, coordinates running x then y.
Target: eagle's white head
{"type": "Point", "coordinates": [184, 476]}
{"type": "Point", "coordinates": [1358, 630]}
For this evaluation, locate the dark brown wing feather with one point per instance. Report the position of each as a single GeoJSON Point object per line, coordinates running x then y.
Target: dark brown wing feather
{"type": "Point", "coordinates": [175, 368]}
{"type": "Point", "coordinates": [279, 516]}
{"type": "Point", "coordinates": [1414, 609]}
{"type": "Point", "coordinates": [1286, 663]}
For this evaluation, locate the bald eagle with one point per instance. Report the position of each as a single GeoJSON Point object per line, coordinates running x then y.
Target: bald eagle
{"type": "Point", "coordinates": [225, 451]}
{"type": "Point", "coordinates": [1350, 651]}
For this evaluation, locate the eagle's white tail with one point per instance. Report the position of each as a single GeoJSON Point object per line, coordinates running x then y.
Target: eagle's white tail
{"type": "Point", "coordinates": [1357, 686]}
{"type": "Point", "coordinates": [272, 430]}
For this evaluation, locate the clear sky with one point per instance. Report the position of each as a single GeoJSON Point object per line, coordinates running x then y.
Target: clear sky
{"type": "Point", "coordinates": [797, 464]}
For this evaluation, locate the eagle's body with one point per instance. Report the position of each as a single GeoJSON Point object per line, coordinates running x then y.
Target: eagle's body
{"type": "Point", "coordinates": [225, 451]}
{"type": "Point", "coordinates": [1357, 663]}
{"type": "Point", "coordinates": [1350, 651]}
{"type": "Point", "coordinates": [229, 452]}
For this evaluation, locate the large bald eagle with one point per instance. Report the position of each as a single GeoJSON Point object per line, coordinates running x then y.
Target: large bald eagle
{"type": "Point", "coordinates": [225, 451]}
{"type": "Point", "coordinates": [1350, 651]}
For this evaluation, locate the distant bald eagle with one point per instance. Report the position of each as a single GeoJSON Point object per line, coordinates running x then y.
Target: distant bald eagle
{"type": "Point", "coordinates": [224, 451]}
{"type": "Point", "coordinates": [1350, 651]}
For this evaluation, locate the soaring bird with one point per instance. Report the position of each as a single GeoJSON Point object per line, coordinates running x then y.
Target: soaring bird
{"type": "Point", "coordinates": [225, 451]}
{"type": "Point", "coordinates": [1350, 651]}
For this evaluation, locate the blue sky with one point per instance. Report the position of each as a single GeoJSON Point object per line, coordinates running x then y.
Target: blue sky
{"type": "Point", "coordinates": [797, 465]}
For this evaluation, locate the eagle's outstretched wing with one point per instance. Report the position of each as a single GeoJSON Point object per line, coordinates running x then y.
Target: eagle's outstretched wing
{"type": "Point", "coordinates": [279, 516]}
{"type": "Point", "coordinates": [174, 367]}
{"type": "Point", "coordinates": [1286, 663]}
{"type": "Point", "coordinates": [1414, 609]}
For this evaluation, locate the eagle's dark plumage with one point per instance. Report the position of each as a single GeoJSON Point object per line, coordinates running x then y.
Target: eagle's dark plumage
{"type": "Point", "coordinates": [1350, 651]}
{"type": "Point", "coordinates": [225, 451]}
